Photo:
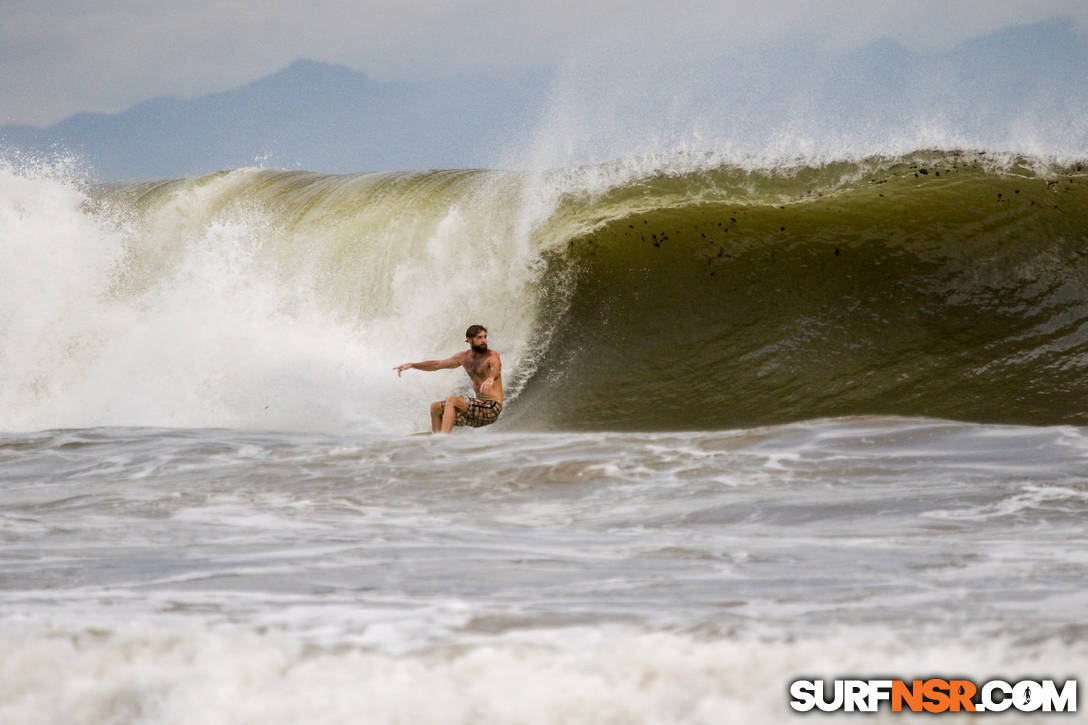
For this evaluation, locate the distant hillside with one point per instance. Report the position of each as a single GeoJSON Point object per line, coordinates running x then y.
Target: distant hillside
{"type": "Point", "coordinates": [1018, 83]}
{"type": "Point", "coordinates": [992, 91]}
{"type": "Point", "coordinates": [1034, 75]}
{"type": "Point", "coordinates": [311, 115]}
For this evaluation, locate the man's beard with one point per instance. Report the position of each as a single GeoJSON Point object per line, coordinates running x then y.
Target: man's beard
{"type": "Point", "coordinates": [478, 348]}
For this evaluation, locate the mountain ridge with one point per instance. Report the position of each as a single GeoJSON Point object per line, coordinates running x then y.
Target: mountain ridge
{"type": "Point", "coordinates": [331, 118]}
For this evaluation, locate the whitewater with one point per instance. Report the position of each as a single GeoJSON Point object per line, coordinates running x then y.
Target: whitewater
{"type": "Point", "coordinates": [764, 421]}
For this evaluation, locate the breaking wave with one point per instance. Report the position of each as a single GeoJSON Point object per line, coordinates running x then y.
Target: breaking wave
{"type": "Point", "coordinates": [648, 293]}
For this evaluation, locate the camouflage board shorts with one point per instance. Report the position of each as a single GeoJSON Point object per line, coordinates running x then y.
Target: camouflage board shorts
{"type": "Point", "coordinates": [479, 413]}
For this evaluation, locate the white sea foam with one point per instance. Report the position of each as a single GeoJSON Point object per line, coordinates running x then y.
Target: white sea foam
{"type": "Point", "coordinates": [206, 305]}
{"type": "Point", "coordinates": [160, 674]}
{"type": "Point", "coordinates": [284, 577]}
{"type": "Point", "coordinates": [1037, 499]}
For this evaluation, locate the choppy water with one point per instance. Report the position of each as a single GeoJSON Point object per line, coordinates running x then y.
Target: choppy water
{"type": "Point", "coordinates": [540, 577]}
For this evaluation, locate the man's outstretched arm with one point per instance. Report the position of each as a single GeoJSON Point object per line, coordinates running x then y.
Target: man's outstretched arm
{"type": "Point", "coordinates": [431, 365]}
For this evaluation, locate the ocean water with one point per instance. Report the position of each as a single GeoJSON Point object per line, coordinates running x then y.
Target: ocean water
{"type": "Point", "coordinates": [764, 422]}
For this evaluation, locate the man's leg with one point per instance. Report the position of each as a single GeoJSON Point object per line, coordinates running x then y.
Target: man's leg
{"type": "Point", "coordinates": [453, 404]}
{"type": "Point", "coordinates": [436, 416]}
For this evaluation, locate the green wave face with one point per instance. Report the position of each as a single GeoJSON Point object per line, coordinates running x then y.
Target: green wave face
{"type": "Point", "coordinates": [940, 285]}
{"type": "Point", "coordinates": [646, 294]}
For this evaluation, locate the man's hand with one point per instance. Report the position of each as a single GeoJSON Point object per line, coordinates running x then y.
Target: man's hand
{"type": "Point", "coordinates": [432, 365]}
{"type": "Point", "coordinates": [485, 386]}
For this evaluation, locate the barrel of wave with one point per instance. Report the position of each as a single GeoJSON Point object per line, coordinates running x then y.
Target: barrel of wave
{"type": "Point", "coordinates": [935, 285]}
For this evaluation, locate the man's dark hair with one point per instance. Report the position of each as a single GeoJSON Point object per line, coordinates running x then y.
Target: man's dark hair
{"type": "Point", "coordinates": [474, 330]}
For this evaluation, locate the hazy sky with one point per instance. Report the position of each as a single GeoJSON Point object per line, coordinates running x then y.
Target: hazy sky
{"type": "Point", "coordinates": [61, 56]}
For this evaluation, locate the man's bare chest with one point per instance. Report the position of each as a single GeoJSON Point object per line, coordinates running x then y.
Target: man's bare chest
{"type": "Point", "coordinates": [476, 369]}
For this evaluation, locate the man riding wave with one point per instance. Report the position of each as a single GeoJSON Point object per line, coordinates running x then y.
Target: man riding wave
{"type": "Point", "coordinates": [484, 369]}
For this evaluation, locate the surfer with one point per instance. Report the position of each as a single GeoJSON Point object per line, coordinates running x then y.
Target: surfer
{"type": "Point", "coordinates": [484, 369]}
